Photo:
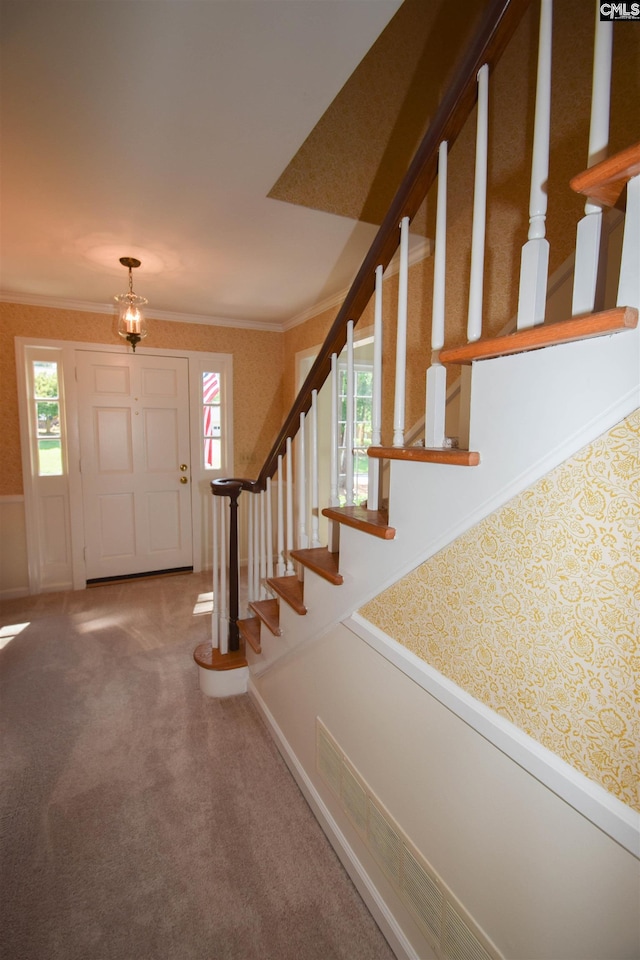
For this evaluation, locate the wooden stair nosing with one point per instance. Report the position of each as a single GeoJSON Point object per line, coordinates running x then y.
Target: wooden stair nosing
{"type": "Point", "coordinates": [583, 327]}
{"type": "Point", "coordinates": [250, 631]}
{"type": "Point", "coordinates": [373, 522]}
{"type": "Point", "coordinates": [605, 181]}
{"type": "Point", "coordinates": [322, 562]}
{"type": "Point", "coordinates": [268, 612]}
{"type": "Point", "coordinates": [211, 659]}
{"type": "Point", "coordinates": [291, 590]}
{"type": "Point", "coordinates": [450, 455]}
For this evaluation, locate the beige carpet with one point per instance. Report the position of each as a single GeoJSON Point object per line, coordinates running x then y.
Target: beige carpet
{"type": "Point", "coordinates": [140, 819]}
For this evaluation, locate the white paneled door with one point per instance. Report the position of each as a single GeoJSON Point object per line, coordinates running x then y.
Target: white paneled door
{"type": "Point", "coordinates": [135, 463]}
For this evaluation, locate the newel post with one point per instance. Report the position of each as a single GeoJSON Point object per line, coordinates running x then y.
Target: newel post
{"type": "Point", "coordinates": [231, 489]}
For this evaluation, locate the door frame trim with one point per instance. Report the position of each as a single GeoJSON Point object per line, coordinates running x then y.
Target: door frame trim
{"type": "Point", "coordinates": [68, 349]}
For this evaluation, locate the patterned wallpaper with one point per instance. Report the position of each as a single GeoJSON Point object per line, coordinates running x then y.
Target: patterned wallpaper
{"type": "Point", "coordinates": [257, 371]}
{"type": "Point", "coordinates": [536, 611]}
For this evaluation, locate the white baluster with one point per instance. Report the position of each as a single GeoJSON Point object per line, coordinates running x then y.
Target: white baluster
{"type": "Point", "coordinates": [255, 511]}
{"type": "Point", "coordinates": [436, 400]}
{"type": "Point", "coordinates": [588, 274]}
{"type": "Point", "coordinates": [250, 551]}
{"type": "Point", "coordinates": [289, 566]}
{"type": "Point", "coordinates": [303, 540]}
{"type": "Point", "coordinates": [334, 500]}
{"type": "Point", "coordinates": [280, 567]}
{"type": "Point", "coordinates": [373, 491]}
{"type": "Point", "coordinates": [401, 342]}
{"type": "Point", "coordinates": [629, 282]}
{"type": "Point", "coordinates": [224, 597]}
{"type": "Point", "coordinates": [269, 531]}
{"type": "Point", "coordinates": [263, 546]}
{"type": "Point", "coordinates": [348, 428]}
{"type": "Point", "coordinates": [534, 266]}
{"type": "Point", "coordinates": [215, 614]}
{"type": "Point", "coordinates": [476, 286]}
{"type": "Point", "coordinates": [315, 500]}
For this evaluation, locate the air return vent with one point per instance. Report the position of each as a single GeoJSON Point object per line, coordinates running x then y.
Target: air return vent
{"type": "Point", "coordinates": [328, 759]}
{"type": "Point", "coordinates": [385, 843]}
{"type": "Point", "coordinates": [444, 922]}
{"type": "Point", "coordinates": [458, 942]}
{"type": "Point", "coordinates": [354, 798]}
{"type": "Point", "coordinates": [422, 894]}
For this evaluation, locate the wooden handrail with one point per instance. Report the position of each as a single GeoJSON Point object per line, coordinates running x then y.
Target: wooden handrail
{"type": "Point", "coordinates": [496, 29]}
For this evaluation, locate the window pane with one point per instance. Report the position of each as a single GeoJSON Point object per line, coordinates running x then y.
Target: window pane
{"type": "Point", "coordinates": [212, 454]}
{"type": "Point", "coordinates": [211, 387]}
{"type": "Point", "coordinates": [45, 379]}
{"type": "Point", "coordinates": [211, 421]}
{"type": "Point", "coordinates": [50, 458]}
{"type": "Point", "coordinates": [48, 418]}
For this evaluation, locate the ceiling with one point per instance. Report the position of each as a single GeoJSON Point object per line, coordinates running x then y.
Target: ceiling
{"type": "Point", "coordinates": [158, 129]}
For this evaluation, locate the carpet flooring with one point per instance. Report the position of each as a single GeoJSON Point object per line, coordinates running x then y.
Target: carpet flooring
{"type": "Point", "coordinates": [139, 819]}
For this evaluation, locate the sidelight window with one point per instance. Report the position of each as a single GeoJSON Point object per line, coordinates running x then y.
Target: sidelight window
{"type": "Point", "coordinates": [46, 401]}
{"type": "Point", "coordinates": [211, 421]}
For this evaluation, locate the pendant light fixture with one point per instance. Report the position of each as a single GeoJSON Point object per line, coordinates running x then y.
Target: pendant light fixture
{"type": "Point", "coordinates": [131, 320]}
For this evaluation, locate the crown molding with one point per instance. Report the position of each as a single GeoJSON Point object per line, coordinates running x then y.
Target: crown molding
{"type": "Point", "coordinates": [88, 307]}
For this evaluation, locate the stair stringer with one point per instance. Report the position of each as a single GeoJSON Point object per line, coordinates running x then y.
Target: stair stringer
{"type": "Point", "coordinates": [530, 413]}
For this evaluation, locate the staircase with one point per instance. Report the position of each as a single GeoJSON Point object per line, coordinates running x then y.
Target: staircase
{"type": "Point", "coordinates": [531, 399]}
{"type": "Point", "coordinates": [541, 355]}
{"type": "Point", "coordinates": [595, 347]}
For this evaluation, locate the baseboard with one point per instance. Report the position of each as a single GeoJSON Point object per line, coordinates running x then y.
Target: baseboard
{"type": "Point", "coordinates": [14, 594]}
{"type": "Point", "coordinates": [360, 878]}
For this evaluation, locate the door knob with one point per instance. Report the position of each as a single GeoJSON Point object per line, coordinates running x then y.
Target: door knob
{"type": "Point", "coordinates": [184, 479]}
{"type": "Point", "coordinates": [183, 466]}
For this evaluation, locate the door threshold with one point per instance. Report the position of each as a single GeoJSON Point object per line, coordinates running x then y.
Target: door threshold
{"type": "Point", "coordinates": [148, 575]}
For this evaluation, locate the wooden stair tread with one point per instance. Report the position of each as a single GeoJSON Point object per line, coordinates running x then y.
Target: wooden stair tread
{"type": "Point", "coordinates": [211, 659]}
{"type": "Point", "coordinates": [268, 611]}
{"type": "Point", "coordinates": [291, 590]}
{"type": "Point", "coordinates": [250, 631]}
{"type": "Point", "coordinates": [546, 335]}
{"type": "Point", "coordinates": [373, 522]}
{"type": "Point", "coordinates": [606, 180]}
{"type": "Point", "coordinates": [321, 561]}
{"type": "Point", "coordinates": [450, 455]}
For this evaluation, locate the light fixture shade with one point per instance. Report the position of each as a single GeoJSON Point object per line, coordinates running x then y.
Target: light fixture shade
{"type": "Point", "coordinates": [131, 318]}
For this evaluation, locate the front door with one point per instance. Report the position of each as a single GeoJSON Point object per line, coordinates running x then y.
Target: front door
{"type": "Point", "coordinates": [135, 463]}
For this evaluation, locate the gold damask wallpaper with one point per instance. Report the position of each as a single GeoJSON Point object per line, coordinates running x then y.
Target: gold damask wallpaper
{"type": "Point", "coordinates": [536, 611]}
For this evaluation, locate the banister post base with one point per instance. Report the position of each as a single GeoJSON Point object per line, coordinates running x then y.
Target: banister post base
{"type": "Point", "coordinates": [221, 675]}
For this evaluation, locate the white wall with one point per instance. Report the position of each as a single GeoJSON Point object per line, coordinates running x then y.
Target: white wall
{"type": "Point", "coordinates": [538, 878]}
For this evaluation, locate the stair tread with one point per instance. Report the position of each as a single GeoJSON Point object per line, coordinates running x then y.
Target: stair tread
{"type": "Point", "coordinates": [450, 455]}
{"type": "Point", "coordinates": [250, 631]}
{"type": "Point", "coordinates": [321, 561]}
{"type": "Point", "coordinates": [546, 335]}
{"type": "Point", "coordinates": [268, 611]}
{"type": "Point", "coordinates": [606, 180]}
{"type": "Point", "coordinates": [211, 659]}
{"type": "Point", "coordinates": [291, 591]}
{"type": "Point", "coordinates": [373, 522]}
